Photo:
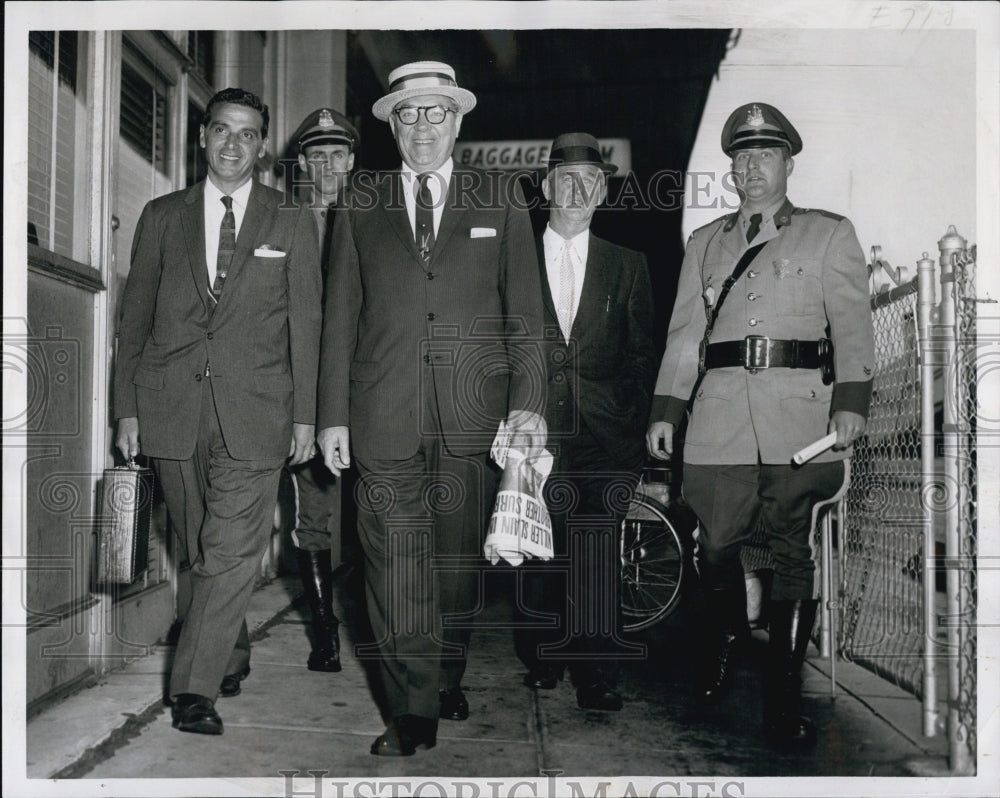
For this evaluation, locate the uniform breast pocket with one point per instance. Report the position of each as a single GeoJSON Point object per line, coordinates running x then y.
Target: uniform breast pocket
{"type": "Point", "coordinates": [798, 287]}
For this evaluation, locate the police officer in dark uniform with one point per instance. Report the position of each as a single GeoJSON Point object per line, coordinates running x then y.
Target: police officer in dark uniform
{"type": "Point", "coordinates": [781, 355]}
{"type": "Point", "coordinates": [327, 143]}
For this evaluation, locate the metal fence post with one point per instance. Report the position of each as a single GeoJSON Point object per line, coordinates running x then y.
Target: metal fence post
{"type": "Point", "coordinates": [925, 317]}
{"type": "Point", "coordinates": [950, 246]}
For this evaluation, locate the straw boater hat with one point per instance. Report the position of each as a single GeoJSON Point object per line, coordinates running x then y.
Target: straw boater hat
{"type": "Point", "coordinates": [759, 125]}
{"type": "Point", "coordinates": [419, 78]}
{"type": "Point", "coordinates": [570, 148]}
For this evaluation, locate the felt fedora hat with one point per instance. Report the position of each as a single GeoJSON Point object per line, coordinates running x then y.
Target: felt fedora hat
{"type": "Point", "coordinates": [572, 148]}
{"type": "Point", "coordinates": [419, 78]}
{"type": "Point", "coordinates": [759, 125]}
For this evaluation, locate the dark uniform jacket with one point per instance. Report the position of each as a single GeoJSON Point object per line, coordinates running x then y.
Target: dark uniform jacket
{"type": "Point", "coordinates": [809, 281]}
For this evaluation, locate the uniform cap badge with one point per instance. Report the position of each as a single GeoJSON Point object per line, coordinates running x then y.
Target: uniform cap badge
{"type": "Point", "coordinates": [326, 119]}
{"type": "Point", "coordinates": [755, 117]}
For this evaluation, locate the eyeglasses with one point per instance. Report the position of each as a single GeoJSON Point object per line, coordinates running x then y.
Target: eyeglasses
{"type": "Point", "coordinates": [434, 114]}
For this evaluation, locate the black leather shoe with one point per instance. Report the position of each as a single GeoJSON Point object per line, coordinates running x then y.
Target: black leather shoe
{"type": "Point", "coordinates": [405, 735]}
{"type": "Point", "coordinates": [543, 677]}
{"type": "Point", "coordinates": [195, 713]}
{"type": "Point", "coordinates": [231, 683]}
{"type": "Point", "coordinates": [454, 705]}
{"type": "Point", "coordinates": [598, 696]}
{"type": "Point", "coordinates": [317, 585]}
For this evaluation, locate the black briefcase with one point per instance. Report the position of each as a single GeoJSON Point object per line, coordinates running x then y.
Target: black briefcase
{"type": "Point", "coordinates": [126, 515]}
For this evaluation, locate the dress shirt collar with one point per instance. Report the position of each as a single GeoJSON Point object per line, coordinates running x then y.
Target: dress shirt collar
{"type": "Point", "coordinates": [766, 216]}
{"type": "Point", "coordinates": [579, 244]}
{"type": "Point", "coordinates": [437, 184]}
{"type": "Point", "coordinates": [213, 195]}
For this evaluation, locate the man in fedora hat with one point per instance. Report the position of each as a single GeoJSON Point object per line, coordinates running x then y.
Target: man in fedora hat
{"type": "Point", "coordinates": [433, 316]}
{"type": "Point", "coordinates": [601, 363]}
{"type": "Point", "coordinates": [326, 143]}
{"type": "Point", "coordinates": [775, 300]}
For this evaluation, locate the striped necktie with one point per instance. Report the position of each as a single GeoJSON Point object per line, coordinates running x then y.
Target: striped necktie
{"type": "Point", "coordinates": [424, 217]}
{"type": "Point", "coordinates": [227, 247]}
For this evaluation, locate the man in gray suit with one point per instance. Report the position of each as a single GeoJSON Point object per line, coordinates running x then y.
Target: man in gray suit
{"type": "Point", "coordinates": [433, 316]}
{"type": "Point", "coordinates": [216, 381]}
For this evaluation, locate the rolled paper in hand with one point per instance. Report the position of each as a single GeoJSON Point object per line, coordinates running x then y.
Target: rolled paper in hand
{"type": "Point", "coordinates": [813, 449]}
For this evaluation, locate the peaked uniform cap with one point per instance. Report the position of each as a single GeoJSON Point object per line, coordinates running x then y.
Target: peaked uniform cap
{"type": "Point", "coordinates": [759, 125]}
{"type": "Point", "coordinates": [419, 78]}
{"type": "Point", "coordinates": [571, 148]}
{"type": "Point", "coordinates": [326, 126]}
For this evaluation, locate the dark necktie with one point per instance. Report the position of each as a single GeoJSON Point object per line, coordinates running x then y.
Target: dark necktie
{"type": "Point", "coordinates": [425, 218]}
{"type": "Point", "coordinates": [227, 246]}
{"type": "Point", "coordinates": [754, 227]}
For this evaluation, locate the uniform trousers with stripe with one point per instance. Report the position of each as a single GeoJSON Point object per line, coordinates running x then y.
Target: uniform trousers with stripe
{"type": "Point", "coordinates": [222, 511]}
{"type": "Point", "coordinates": [729, 499]}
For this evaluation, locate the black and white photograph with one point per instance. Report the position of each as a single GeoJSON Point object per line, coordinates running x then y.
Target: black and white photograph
{"type": "Point", "coordinates": [524, 399]}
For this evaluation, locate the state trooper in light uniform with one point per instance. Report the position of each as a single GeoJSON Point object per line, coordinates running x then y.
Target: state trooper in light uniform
{"type": "Point", "coordinates": [326, 141]}
{"type": "Point", "coordinates": [796, 316]}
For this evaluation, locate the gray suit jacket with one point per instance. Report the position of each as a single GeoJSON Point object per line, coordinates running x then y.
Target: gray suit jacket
{"type": "Point", "coordinates": [261, 339]}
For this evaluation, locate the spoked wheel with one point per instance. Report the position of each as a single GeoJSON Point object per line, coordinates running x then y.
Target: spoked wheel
{"type": "Point", "coordinates": [653, 564]}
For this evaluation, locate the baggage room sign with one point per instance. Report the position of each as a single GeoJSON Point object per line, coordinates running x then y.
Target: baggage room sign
{"type": "Point", "coordinates": [514, 155]}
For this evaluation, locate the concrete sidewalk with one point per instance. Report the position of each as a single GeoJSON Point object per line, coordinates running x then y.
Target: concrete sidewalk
{"type": "Point", "coordinates": [291, 719]}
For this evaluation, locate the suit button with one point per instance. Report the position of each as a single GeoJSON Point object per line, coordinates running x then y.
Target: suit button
{"type": "Point", "coordinates": [752, 296]}
{"type": "Point", "coordinates": [430, 317]}
{"type": "Point", "coordinates": [801, 271]}
{"type": "Point", "coordinates": [427, 359]}
{"type": "Point", "coordinates": [751, 274]}
{"type": "Point", "coordinates": [562, 403]}
{"type": "Point", "coordinates": [430, 275]}
{"type": "Point", "coordinates": [197, 377]}
{"type": "Point", "coordinates": [210, 336]}
{"type": "Point", "coordinates": [752, 322]}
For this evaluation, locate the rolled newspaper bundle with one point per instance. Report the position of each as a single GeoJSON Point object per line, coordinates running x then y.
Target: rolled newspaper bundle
{"type": "Point", "coordinates": [814, 449]}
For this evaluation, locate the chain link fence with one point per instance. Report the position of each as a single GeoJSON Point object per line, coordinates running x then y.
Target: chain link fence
{"type": "Point", "coordinates": [907, 549]}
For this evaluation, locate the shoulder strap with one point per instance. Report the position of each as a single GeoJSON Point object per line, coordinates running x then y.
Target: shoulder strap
{"type": "Point", "coordinates": [741, 266]}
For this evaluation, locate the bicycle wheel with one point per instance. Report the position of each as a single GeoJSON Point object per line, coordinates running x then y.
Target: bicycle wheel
{"type": "Point", "coordinates": [653, 564]}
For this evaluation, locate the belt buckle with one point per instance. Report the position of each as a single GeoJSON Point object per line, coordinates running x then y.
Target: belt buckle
{"type": "Point", "coordinates": [756, 353]}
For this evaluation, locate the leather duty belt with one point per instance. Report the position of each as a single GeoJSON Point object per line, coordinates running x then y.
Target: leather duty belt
{"type": "Point", "coordinates": [760, 352]}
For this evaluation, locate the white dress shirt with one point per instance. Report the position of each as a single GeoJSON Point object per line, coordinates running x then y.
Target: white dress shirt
{"type": "Point", "coordinates": [579, 246]}
{"type": "Point", "coordinates": [438, 184]}
{"type": "Point", "coordinates": [214, 211]}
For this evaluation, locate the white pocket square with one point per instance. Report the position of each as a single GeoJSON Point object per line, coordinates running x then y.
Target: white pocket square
{"type": "Point", "coordinates": [483, 232]}
{"type": "Point", "coordinates": [267, 252]}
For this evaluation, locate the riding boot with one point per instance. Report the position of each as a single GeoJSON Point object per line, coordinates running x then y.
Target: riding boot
{"type": "Point", "coordinates": [790, 630]}
{"type": "Point", "coordinates": [727, 608]}
{"type": "Point", "coordinates": [317, 580]}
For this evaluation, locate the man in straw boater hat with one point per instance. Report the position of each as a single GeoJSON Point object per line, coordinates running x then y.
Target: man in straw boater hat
{"type": "Point", "coordinates": [433, 314]}
{"type": "Point", "coordinates": [601, 366]}
{"type": "Point", "coordinates": [326, 141]}
{"type": "Point", "coordinates": [772, 324]}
